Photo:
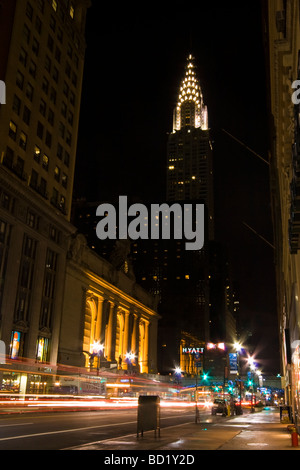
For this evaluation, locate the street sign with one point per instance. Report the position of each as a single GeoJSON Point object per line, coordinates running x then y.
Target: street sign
{"type": "Point", "coordinates": [233, 363]}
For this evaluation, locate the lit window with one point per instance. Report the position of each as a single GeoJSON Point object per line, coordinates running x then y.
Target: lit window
{"type": "Point", "coordinates": [45, 162]}
{"type": "Point", "coordinates": [37, 153]}
{"type": "Point", "coordinates": [57, 173]}
{"type": "Point", "coordinates": [12, 130]}
{"type": "Point", "coordinates": [64, 180]}
{"type": "Point", "coordinates": [23, 140]}
{"type": "Point", "coordinates": [72, 11]}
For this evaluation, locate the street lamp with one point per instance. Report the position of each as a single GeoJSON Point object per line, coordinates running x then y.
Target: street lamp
{"type": "Point", "coordinates": [238, 348]}
{"type": "Point", "coordinates": [252, 367]}
{"type": "Point", "coordinates": [97, 348]}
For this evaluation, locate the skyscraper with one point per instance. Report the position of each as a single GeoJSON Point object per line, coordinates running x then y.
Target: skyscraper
{"type": "Point", "coordinates": [181, 278]}
{"type": "Point", "coordinates": [189, 152]}
{"type": "Point", "coordinates": [42, 49]}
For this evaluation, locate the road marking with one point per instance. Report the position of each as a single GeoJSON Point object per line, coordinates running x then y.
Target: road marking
{"type": "Point", "coordinates": [116, 439]}
{"type": "Point", "coordinates": [257, 444]}
{"type": "Point", "coordinates": [23, 436]}
{"type": "Point", "coordinates": [232, 425]}
{"type": "Point", "coordinates": [18, 424]}
{"type": "Point", "coordinates": [63, 430]}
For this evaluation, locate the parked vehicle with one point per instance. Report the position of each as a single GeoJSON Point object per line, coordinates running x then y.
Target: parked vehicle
{"type": "Point", "coordinates": [219, 407]}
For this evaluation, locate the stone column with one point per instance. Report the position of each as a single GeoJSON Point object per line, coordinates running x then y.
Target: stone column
{"type": "Point", "coordinates": [98, 322]}
{"type": "Point", "coordinates": [135, 336]}
{"type": "Point", "coordinates": [146, 348]}
{"type": "Point", "coordinates": [126, 345]}
{"type": "Point", "coordinates": [130, 342]}
{"type": "Point", "coordinates": [104, 321]}
{"type": "Point", "coordinates": [111, 332]}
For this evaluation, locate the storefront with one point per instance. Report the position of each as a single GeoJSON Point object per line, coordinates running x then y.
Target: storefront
{"type": "Point", "coordinates": [296, 383]}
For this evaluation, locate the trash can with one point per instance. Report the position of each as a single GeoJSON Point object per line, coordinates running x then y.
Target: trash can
{"type": "Point", "coordinates": [285, 414]}
{"type": "Point", "coordinates": [148, 414]}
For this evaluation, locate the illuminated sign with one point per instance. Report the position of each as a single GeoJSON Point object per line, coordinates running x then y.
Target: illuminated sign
{"type": "Point", "coordinates": [216, 346]}
{"type": "Point", "coordinates": [192, 350]}
{"type": "Point", "coordinates": [233, 363]}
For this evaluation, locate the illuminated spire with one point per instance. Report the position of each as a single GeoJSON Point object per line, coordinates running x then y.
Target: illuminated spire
{"type": "Point", "coordinates": [190, 110]}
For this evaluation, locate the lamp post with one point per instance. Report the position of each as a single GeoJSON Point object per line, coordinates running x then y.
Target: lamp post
{"type": "Point", "coordinates": [238, 349]}
{"type": "Point", "coordinates": [196, 364]}
{"type": "Point", "coordinates": [177, 373]}
{"type": "Point", "coordinates": [252, 370]}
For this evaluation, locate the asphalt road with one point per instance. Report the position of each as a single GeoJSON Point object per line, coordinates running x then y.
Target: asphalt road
{"type": "Point", "coordinates": [64, 430]}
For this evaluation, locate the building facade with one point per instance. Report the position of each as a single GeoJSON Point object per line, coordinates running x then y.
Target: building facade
{"type": "Point", "coordinates": [282, 38]}
{"type": "Point", "coordinates": [104, 306]}
{"type": "Point", "coordinates": [42, 51]}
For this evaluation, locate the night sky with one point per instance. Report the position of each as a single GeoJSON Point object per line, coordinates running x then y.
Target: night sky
{"type": "Point", "coordinates": [135, 61]}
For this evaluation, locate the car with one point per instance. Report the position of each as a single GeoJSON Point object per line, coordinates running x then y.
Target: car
{"type": "Point", "coordinates": [204, 403]}
{"type": "Point", "coordinates": [219, 407]}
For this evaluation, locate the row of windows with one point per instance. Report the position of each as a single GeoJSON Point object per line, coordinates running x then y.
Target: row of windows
{"type": "Point", "coordinates": [40, 132]}
{"type": "Point", "coordinates": [66, 112]}
{"type": "Point", "coordinates": [25, 283]}
{"type": "Point", "coordinates": [52, 22]}
{"type": "Point", "coordinates": [54, 74]}
{"type": "Point", "coordinates": [54, 28]}
{"type": "Point", "coordinates": [40, 185]}
{"type": "Point", "coordinates": [16, 350]}
{"type": "Point", "coordinates": [46, 86]}
{"type": "Point", "coordinates": [23, 139]}
{"type": "Point", "coordinates": [26, 275]}
{"type": "Point", "coordinates": [59, 175]}
{"type": "Point", "coordinates": [4, 246]}
{"type": "Point", "coordinates": [63, 132]}
{"type": "Point", "coordinates": [37, 182]}
{"type": "Point", "coordinates": [32, 220]}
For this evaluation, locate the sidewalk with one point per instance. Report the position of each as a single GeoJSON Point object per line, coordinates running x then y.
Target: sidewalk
{"type": "Point", "coordinates": [257, 431]}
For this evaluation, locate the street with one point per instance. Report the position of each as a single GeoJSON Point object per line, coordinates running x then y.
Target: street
{"type": "Point", "coordinates": [115, 431]}
{"type": "Point", "coordinates": [61, 430]}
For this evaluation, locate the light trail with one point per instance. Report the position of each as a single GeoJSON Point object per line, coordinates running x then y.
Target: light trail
{"type": "Point", "coordinates": [55, 402]}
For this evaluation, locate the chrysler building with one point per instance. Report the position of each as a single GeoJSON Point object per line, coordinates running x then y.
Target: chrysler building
{"type": "Point", "coordinates": [189, 150]}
